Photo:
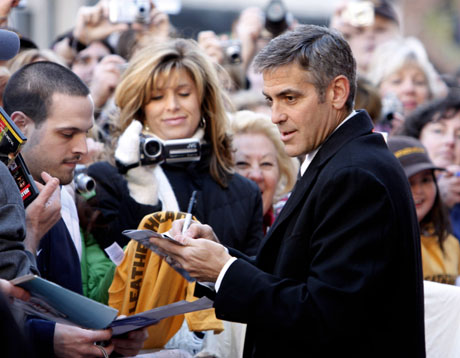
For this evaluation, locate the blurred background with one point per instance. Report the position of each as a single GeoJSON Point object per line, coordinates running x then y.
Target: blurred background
{"type": "Point", "coordinates": [435, 22]}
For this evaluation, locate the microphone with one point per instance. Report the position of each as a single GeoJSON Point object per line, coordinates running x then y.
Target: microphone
{"type": "Point", "coordinates": [9, 44]}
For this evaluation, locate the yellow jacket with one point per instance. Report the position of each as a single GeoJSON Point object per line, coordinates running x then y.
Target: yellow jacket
{"type": "Point", "coordinates": [144, 281]}
{"type": "Point", "coordinates": [440, 265]}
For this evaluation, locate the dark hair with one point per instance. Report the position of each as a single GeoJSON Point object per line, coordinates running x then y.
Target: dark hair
{"type": "Point", "coordinates": [432, 111]}
{"type": "Point", "coordinates": [437, 218]}
{"type": "Point", "coordinates": [322, 52]}
{"type": "Point", "coordinates": [31, 88]}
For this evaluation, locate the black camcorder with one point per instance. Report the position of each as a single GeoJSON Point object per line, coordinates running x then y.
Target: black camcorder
{"type": "Point", "coordinates": [156, 151]}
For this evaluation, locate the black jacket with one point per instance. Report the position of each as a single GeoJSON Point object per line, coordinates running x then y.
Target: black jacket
{"type": "Point", "coordinates": [235, 212]}
{"type": "Point", "coordinates": [339, 273]}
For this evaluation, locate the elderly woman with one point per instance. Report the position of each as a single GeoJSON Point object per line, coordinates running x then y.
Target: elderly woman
{"type": "Point", "coordinates": [400, 69]}
{"type": "Point", "coordinates": [260, 156]}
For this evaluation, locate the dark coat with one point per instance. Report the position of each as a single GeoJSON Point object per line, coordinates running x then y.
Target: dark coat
{"type": "Point", "coordinates": [339, 273]}
{"type": "Point", "coordinates": [234, 212]}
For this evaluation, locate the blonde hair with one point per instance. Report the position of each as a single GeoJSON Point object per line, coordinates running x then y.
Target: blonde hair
{"type": "Point", "coordinates": [248, 122]}
{"type": "Point", "coordinates": [150, 64]}
{"type": "Point", "coordinates": [33, 55]}
{"type": "Point", "coordinates": [392, 55]}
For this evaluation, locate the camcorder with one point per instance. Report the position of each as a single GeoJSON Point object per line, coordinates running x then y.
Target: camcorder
{"type": "Point", "coordinates": [277, 18]}
{"type": "Point", "coordinates": [129, 11]}
{"type": "Point", "coordinates": [84, 184]}
{"type": "Point", "coordinates": [156, 151]}
{"type": "Point", "coordinates": [11, 142]}
{"type": "Point", "coordinates": [232, 51]}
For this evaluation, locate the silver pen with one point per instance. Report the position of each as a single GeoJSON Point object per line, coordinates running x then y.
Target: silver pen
{"type": "Point", "coordinates": [188, 217]}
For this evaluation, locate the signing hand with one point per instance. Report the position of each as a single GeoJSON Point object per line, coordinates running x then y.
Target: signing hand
{"type": "Point", "coordinates": [201, 256]}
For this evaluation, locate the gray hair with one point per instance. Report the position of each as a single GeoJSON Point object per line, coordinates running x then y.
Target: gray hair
{"type": "Point", "coordinates": [322, 52]}
{"type": "Point", "coordinates": [391, 56]}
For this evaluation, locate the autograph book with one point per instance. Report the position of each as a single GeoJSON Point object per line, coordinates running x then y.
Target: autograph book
{"type": "Point", "coordinates": [56, 303]}
{"type": "Point", "coordinates": [142, 236]}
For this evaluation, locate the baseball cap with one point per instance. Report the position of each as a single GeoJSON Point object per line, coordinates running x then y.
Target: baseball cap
{"type": "Point", "coordinates": [411, 154]}
{"type": "Point", "coordinates": [9, 44]}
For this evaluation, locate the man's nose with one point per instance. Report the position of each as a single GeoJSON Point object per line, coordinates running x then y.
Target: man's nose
{"type": "Point", "coordinates": [79, 144]}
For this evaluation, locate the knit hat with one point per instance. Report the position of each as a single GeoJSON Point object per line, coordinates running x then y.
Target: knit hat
{"type": "Point", "coordinates": [411, 154]}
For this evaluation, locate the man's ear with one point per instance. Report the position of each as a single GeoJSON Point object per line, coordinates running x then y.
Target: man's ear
{"type": "Point", "coordinates": [339, 89]}
{"type": "Point", "coordinates": [25, 124]}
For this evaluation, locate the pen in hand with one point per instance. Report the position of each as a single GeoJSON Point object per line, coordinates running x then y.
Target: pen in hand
{"type": "Point", "coordinates": [188, 217]}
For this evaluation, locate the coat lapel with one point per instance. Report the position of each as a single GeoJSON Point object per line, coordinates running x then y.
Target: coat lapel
{"type": "Point", "coordinates": [356, 126]}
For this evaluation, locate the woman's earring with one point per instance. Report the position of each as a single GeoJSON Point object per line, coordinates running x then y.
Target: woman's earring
{"type": "Point", "coordinates": [202, 123]}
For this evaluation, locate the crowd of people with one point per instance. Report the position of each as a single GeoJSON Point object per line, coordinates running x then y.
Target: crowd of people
{"type": "Point", "coordinates": [322, 162]}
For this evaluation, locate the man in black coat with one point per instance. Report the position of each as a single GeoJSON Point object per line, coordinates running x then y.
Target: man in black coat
{"type": "Point", "coordinates": [339, 273]}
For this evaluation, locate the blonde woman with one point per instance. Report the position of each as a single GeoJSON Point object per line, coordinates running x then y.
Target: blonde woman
{"type": "Point", "coordinates": [401, 68]}
{"type": "Point", "coordinates": [259, 155]}
{"type": "Point", "coordinates": [171, 91]}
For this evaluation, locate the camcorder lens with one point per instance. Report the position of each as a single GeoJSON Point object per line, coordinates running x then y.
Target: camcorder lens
{"type": "Point", "coordinates": [152, 148]}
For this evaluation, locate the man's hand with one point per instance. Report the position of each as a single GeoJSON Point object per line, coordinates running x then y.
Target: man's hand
{"type": "Point", "coordinates": [75, 342]}
{"type": "Point", "coordinates": [132, 343]}
{"type": "Point", "coordinates": [43, 212]}
{"type": "Point", "coordinates": [8, 289]}
{"type": "Point", "coordinates": [211, 44]}
{"type": "Point", "coordinates": [158, 26]}
{"type": "Point", "coordinates": [106, 76]}
{"type": "Point", "coordinates": [93, 23]}
{"type": "Point", "coordinates": [195, 230]}
{"type": "Point", "coordinates": [248, 30]}
{"type": "Point", "coordinates": [200, 256]}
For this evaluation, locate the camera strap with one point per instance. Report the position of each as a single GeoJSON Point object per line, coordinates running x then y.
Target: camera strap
{"type": "Point", "coordinates": [123, 168]}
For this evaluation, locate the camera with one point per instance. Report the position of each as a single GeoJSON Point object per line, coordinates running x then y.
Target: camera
{"type": "Point", "coordinates": [277, 18]}
{"type": "Point", "coordinates": [129, 11]}
{"type": "Point", "coordinates": [232, 51]}
{"type": "Point", "coordinates": [84, 184]}
{"type": "Point", "coordinates": [155, 151]}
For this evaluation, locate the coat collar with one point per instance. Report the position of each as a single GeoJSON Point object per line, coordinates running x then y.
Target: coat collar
{"type": "Point", "coordinates": [356, 126]}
